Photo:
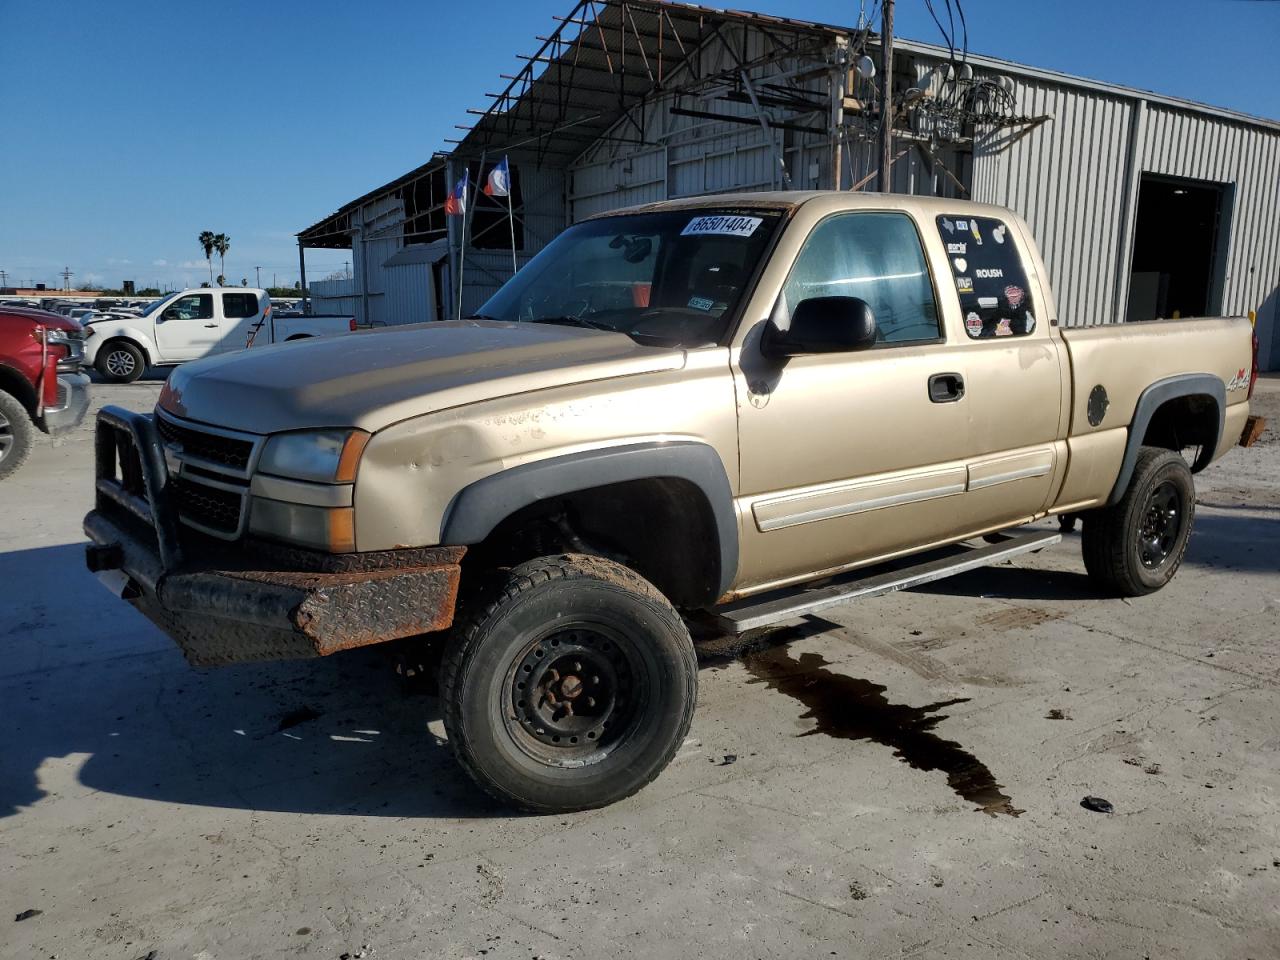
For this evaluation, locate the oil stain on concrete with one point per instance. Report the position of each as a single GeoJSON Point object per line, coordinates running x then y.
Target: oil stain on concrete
{"type": "Point", "coordinates": [850, 708]}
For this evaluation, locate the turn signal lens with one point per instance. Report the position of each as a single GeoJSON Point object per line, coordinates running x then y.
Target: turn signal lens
{"type": "Point", "coordinates": [349, 460]}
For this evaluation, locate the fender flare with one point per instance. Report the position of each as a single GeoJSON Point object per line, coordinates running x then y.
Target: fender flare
{"type": "Point", "coordinates": [478, 508]}
{"type": "Point", "coordinates": [1150, 400]}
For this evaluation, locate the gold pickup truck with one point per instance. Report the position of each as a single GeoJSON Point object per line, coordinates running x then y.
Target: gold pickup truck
{"type": "Point", "coordinates": [749, 406]}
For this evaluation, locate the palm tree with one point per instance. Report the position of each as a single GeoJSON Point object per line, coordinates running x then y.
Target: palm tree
{"type": "Point", "coordinates": [207, 244]}
{"type": "Point", "coordinates": [222, 243]}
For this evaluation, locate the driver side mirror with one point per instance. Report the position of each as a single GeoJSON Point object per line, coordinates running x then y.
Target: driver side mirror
{"type": "Point", "coordinates": [822, 325]}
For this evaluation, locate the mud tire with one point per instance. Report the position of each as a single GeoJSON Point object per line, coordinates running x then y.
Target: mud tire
{"type": "Point", "coordinates": [579, 603]}
{"type": "Point", "coordinates": [1117, 555]}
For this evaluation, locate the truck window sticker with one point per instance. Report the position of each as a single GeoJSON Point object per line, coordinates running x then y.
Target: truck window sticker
{"type": "Point", "coordinates": [995, 298]}
{"type": "Point", "coordinates": [724, 226]}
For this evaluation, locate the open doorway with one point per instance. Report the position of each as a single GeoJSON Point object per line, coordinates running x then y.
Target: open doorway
{"type": "Point", "coordinates": [1178, 241]}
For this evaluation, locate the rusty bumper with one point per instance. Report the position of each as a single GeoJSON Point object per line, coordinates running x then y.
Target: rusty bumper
{"type": "Point", "coordinates": [221, 615]}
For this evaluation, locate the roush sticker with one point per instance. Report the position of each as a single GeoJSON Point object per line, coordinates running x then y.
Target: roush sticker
{"type": "Point", "coordinates": [973, 324]}
{"type": "Point", "coordinates": [701, 303]}
{"type": "Point", "coordinates": [989, 273]}
{"type": "Point", "coordinates": [964, 284]}
{"type": "Point", "coordinates": [1015, 295]}
{"type": "Point", "coordinates": [721, 226]}
{"type": "Point", "coordinates": [961, 264]}
{"type": "Point", "coordinates": [958, 248]}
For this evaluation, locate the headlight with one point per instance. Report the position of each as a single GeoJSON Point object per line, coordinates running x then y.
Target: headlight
{"type": "Point", "coordinates": [324, 456]}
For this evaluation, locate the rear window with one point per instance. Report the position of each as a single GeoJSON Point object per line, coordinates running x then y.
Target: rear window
{"type": "Point", "coordinates": [237, 305]}
{"type": "Point", "coordinates": [995, 297]}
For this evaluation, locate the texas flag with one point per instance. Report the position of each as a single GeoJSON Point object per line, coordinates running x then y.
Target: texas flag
{"type": "Point", "coordinates": [499, 183]}
{"type": "Point", "coordinates": [456, 203]}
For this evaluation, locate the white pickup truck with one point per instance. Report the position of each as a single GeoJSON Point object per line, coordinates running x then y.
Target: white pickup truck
{"type": "Point", "coordinates": [192, 324]}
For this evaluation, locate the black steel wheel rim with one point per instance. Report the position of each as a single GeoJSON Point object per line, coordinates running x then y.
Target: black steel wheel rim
{"type": "Point", "coordinates": [574, 694]}
{"type": "Point", "coordinates": [120, 363]}
{"type": "Point", "coordinates": [1161, 525]}
{"type": "Point", "coordinates": [6, 436]}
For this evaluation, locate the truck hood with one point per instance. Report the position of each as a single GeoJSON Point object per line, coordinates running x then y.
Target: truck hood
{"type": "Point", "coordinates": [374, 378]}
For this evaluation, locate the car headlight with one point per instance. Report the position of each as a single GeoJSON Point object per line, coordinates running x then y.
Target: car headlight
{"type": "Point", "coordinates": [323, 456]}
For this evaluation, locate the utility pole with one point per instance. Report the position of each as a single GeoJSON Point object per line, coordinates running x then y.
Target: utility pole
{"type": "Point", "coordinates": [66, 278]}
{"type": "Point", "coordinates": [885, 179]}
{"type": "Point", "coordinates": [4, 279]}
{"type": "Point", "coordinates": [257, 276]}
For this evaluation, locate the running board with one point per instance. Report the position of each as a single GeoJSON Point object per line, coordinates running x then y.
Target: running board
{"type": "Point", "coordinates": [753, 612]}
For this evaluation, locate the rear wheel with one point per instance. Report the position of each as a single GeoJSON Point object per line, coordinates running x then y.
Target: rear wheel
{"type": "Point", "coordinates": [571, 686]}
{"type": "Point", "coordinates": [16, 434]}
{"type": "Point", "coordinates": [120, 362]}
{"type": "Point", "coordinates": [1136, 546]}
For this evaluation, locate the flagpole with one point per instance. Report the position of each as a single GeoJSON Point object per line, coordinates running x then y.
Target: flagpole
{"type": "Point", "coordinates": [511, 216]}
{"type": "Point", "coordinates": [462, 242]}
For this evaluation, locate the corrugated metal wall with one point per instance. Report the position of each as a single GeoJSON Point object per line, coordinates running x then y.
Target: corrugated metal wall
{"type": "Point", "coordinates": [410, 296]}
{"type": "Point", "coordinates": [333, 296]}
{"type": "Point", "coordinates": [1066, 178]}
{"type": "Point", "coordinates": [1075, 179]}
{"type": "Point", "coordinates": [1179, 143]}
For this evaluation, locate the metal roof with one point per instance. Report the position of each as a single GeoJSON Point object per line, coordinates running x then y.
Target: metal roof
{"type": "Point", "coordinates": [607, 56]}
{"type": "Point", "coordinates": [604, 58]}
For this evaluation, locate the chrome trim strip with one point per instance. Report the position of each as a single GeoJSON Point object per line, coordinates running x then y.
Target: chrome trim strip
{"type": "Point", "coordinates": [859, 506]}
{"type": "Point", "coordinates": [1009, 476]}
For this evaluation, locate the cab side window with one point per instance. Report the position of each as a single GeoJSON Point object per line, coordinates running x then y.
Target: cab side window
{"type": "Point", "coordinates": [194, 306]}
{"type": "Point", "coordinates": [995, 297]}
{"type": "Point", "coordinates": [876, 257]}
{"type": "Point", "coordinates": [236, 306]}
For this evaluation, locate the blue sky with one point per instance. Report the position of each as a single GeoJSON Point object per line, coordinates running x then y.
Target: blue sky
{"type": "Point", "coordinates": [130, 126]}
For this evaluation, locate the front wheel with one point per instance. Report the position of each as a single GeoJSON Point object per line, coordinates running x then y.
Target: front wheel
{"type": "Point", "coordinates": [17, 434]}
{"type": "Point", "coordinates": [1136, 546]}
{"type": "Point", "coordinates": [571, 686]}
{"type": "Point", "coordinates": [120, 362]}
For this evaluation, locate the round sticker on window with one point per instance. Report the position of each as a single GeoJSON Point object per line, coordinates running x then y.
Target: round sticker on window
{"type": "Point", "coordinates": [973, 323]}
{"type": "Point", "coordinates": [961, 264]}
{"type": "Point", "coordinates": [997, 234]}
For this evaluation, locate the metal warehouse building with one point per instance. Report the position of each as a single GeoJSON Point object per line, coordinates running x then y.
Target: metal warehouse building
{"type": "Point", "coordinates": [1145, 206]}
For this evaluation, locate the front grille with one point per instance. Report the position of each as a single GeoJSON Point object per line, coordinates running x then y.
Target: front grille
{"type": "Point", "coordinates": [209, 507]}
{"type": "Point", "coordinates": [211, 447]}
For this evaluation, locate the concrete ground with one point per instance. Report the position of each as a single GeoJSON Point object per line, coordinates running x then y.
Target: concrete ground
{"type": "Point", "coordinates": [915, 792]}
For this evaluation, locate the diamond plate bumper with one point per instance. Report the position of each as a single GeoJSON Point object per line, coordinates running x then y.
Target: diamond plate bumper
{"type": "Point", "coordinates": [233, 604]}
{"type": "Point", "coordinates": [232, 615]}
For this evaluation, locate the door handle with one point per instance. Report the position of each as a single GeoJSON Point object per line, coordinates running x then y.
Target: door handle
{"type": "Point", "coordinates": [946, 387]}
{"type": "Point", "coordinates": [210, 326]}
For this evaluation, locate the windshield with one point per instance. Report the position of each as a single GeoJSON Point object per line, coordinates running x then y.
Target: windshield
{"type": "Point", "coordinates": [151, 307]}
{"type": "Point", "coordinates": [673, 277]}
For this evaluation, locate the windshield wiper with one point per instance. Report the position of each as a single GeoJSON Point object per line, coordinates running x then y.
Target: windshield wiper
{"type": "Point", "coordinates": [576, 322]}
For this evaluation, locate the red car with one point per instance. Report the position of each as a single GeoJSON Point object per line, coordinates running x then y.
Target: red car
{"type": "Point", "coordinates": [41, 385]}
